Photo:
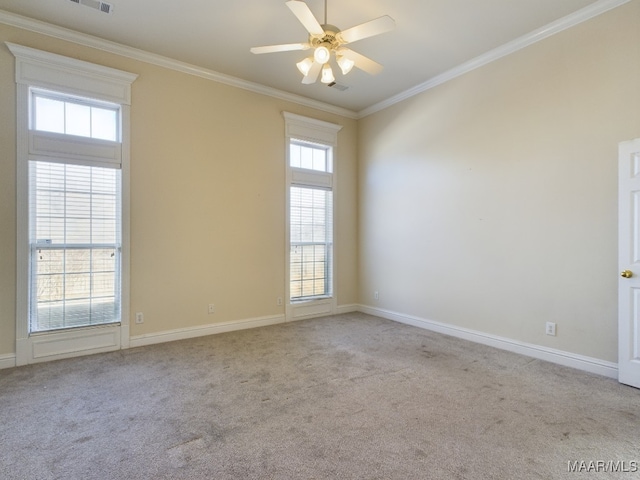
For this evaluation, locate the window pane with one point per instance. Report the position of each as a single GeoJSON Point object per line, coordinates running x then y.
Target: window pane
{"type": "Point", "coordinates": [78, 261]}
{"type": "Point", "coordinates": [77, 119]}
{"type": "Point", "coordinates": [319, 160]}
{"type": "Point", "coordinates": [294, 155]}
{"type": "Point", "coordinates": [49, 115]}
{"type": "Point", "coordinates": [50, 287]}
{"type": "Point", "coordinates": [309, 156]}
{"type": "Point", "coordinates": [50, 262]}
{"type": "Point", "coordinates": [103, 310]}
{"type": "Point", "coordinates": [103, 284]}
{"type": "Point", "coordinates": [306, 157]}
{"type": "Point", "coordinates": [103, 260]}
{"type": "Point", "coordinates": [77, 286]}
{"type": "Point", "coordinates": [62, 115]}
{"type": "Point", "coordinates": [103, 124]}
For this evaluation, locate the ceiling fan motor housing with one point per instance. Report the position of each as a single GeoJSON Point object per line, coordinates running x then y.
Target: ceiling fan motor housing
{"type": "Point", "coordinates": [329, 39]}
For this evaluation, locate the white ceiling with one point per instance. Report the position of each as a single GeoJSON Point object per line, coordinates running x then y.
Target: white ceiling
{"type": "Point", "coordinates": [431, 36]}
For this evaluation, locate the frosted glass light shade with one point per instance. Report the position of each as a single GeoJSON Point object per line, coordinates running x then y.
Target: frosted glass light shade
{"type": "Point", "coordinates": [321, 54]}
{"type": "Point", "coordinates": [305, 65]}
{"type": "Point", "coordinates": [345, 64]}
{"type": "Point", "coordinates": [327, 75]}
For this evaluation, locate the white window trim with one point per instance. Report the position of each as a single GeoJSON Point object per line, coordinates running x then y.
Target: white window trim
{"type": "Point", "coordinates": [39, 69]}
{"type": "Point", "coordinates": [308, 129]}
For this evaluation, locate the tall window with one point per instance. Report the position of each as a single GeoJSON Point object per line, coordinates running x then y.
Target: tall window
{"type": "Point", "coordinates": [72, 163]}
{"type": "Point", "coordinates": [75, 221]}
{"type": "Point", "coordinates": [311, 226]}
{"type": "Point", "coordinates": [310, 200]}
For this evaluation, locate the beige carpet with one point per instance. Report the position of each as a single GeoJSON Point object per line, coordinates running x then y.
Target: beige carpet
{"type": "Point", "coordinates": [350, 397]}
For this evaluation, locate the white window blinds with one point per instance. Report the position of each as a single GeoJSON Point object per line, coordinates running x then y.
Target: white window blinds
{"type": "Point", "coordinates": [75, 242]}
{"type": "Point", "coordinates": [311, 242]}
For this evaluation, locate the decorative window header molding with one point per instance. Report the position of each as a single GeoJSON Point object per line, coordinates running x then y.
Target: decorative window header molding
{"type": "Point", "coordinates": [310, 129]}
{"type": "Point", "coordinates": [37, 68]}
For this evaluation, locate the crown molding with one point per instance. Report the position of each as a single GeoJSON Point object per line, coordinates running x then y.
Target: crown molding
{"type": "Point", "coordinates": [535, 36]}
{"type": "Point", "coordinates": [91, 41]}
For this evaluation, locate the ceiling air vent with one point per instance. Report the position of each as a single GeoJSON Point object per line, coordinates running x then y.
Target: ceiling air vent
{"type": "Point", "coordinates": [96, 5]}
{"type": "Point", "coordinates": [337, 86]}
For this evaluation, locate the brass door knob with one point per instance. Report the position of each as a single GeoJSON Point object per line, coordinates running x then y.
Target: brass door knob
{"type": "Point", "coordinates": [626, 274]}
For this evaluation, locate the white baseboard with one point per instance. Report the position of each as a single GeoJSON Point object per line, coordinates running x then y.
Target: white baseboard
{"type": "Point", "coordinates": [7, 361]}
{"type": "Point", "coordinates": [203, 330]}
{"type": "Point", "coordinates": [568, 359]}
{"type": "Point", "coordinates": [588, 364]}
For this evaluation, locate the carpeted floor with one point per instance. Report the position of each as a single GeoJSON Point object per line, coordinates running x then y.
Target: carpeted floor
{"type": "Point", "coordinates": [350, 397]}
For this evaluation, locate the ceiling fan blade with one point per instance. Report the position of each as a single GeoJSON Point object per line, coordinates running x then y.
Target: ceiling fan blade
{"type": "Point", "coordinates": [280, 48]}
{"type": "Point", "coordinates": [312, 76]}
{"type": "Point", "coordinates": [302, 12]}
{"type": "Point", "coordinates": [362, 62]}
{"type": "Point", "coordinates": [368, 29]}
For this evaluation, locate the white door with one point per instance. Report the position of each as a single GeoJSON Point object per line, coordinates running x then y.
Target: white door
{"type": "Point", "coordinates": [629, 263]}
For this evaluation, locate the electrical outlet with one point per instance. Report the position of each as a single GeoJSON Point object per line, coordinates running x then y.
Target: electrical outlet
{"type": "Point", "coordinates": [376, 295]}
{"type": "Point", "coordinates": [212, 308]}
{"type": "Point", "coordinates": [279, 301]}
{"type": "Point", "coordinates": [139, 317]}
{"type": "Point", "coordinates": [551, 329]}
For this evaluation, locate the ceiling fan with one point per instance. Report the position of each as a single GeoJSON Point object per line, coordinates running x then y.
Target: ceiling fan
{"type": "Point", "coordinates": [327, 40]}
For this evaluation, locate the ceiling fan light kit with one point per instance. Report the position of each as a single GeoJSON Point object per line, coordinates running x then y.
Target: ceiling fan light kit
{"type": "Point", "coordinates": [305, 65]}
{"type": "Point", "coordinates": [327, 74]}
{"type": "Point", "coordinates": [321, 54]}
{"type": "Point", "coordinates": [327, 41]}
{"type": "Point", "coordinates": [345, 64]}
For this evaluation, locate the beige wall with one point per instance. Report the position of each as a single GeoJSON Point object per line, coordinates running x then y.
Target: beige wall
{"type": "Point", "coordinates": [490, 202]}
{"type": "Point", "coordinates": [207, 196]}
{"type": "Point", "coordinates": [7, 202]}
